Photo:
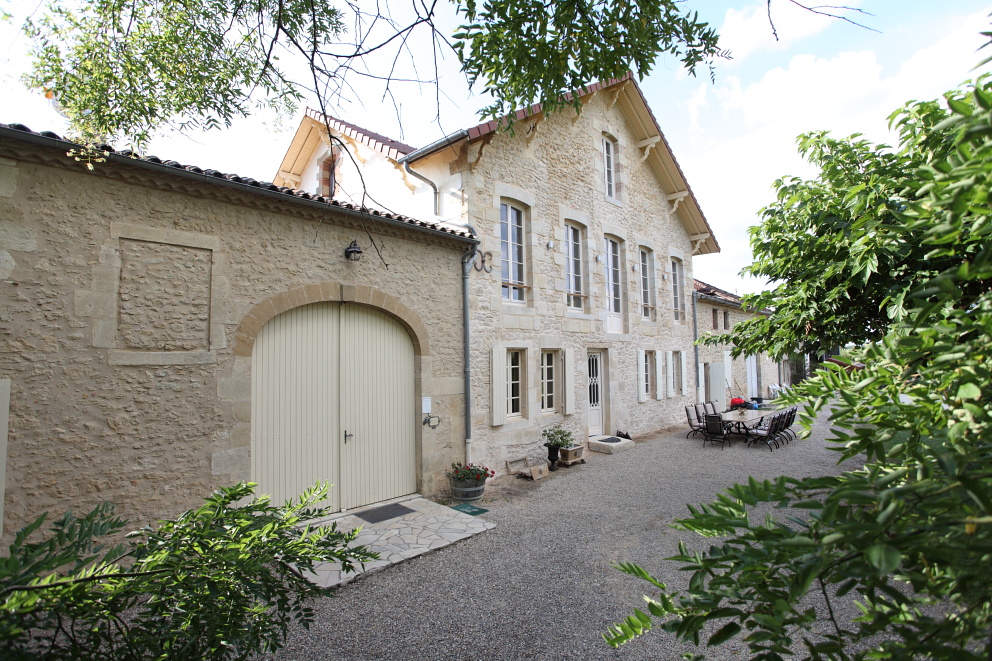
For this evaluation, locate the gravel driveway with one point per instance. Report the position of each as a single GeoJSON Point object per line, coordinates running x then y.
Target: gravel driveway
{"type": "Point", "coordinates": [540, 585]}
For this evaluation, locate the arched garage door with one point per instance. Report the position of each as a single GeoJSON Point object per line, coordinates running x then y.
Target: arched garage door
{"type": "Point", "coordinates": [333, 400]}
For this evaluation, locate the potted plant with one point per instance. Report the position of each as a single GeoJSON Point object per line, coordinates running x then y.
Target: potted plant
{"type": "Point", "coordinates": [468, 483]}
{"type": "Point", "coordinates": [561, 445]}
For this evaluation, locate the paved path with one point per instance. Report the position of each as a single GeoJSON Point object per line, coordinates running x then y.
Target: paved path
{"type": "Point", "coordinates": [540, 584]}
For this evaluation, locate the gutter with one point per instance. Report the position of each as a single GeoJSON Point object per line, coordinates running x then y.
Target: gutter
{"type": "Point", "coordinates": [412, 224]}
{"type": "Point", "coordinates": [424, 151]}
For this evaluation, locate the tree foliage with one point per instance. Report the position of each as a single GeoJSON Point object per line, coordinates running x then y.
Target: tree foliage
{"type": "Point", "coordinates": [222, 581]}
{"type": "Point", "coordinates": [121, 70]}
{"type": "Point", "coordinates": [899, 241]}
{"type": "Point", "coordinates": [530, 51]}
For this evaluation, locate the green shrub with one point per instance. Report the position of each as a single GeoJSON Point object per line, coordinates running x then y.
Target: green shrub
{"type": "Point", "coordinates": [222, 581]}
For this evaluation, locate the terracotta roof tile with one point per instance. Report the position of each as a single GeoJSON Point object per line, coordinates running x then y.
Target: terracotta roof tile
{"type": "Point", "coordinates": [290, 193]}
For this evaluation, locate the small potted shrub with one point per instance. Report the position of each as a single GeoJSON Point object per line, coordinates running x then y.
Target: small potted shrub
{"type": "Point", "coordinates": [560, 444]}
{"type": "Point", "coordinates": [468, 483]}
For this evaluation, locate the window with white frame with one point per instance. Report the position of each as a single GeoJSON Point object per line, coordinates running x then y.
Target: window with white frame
{"type": "Point", "coordinates": [609, 166]}
{"type": "Point", "coordinates": [574, 296]}
{"type": "Point", "coordinates": [647, 284]}
{"type": "Point", "coordinates": [677, 284]}
{"type": "Point", "coordinates": [647, 376]}
{"type": "Point", "coordinates": [514, 383]}
{"type": "Point", "coordinates": [511, 228]}
{"type": "Point", "coordinates": [549, 376]}
{"type": "Point", "coordinates": [613, 271]}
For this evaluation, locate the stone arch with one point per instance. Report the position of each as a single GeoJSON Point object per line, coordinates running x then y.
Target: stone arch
{"type": "Point", "coordinates": [329, 292]}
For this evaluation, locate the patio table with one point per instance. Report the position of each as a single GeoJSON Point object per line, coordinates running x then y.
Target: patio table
{"type": "Point", "coordinates": [740, 421]}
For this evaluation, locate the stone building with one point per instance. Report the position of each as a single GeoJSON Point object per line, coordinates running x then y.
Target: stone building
{"type": "Point", "coordinates": [166, 330]}
{"type": "Point", "coordinates": [580, 313]}
{"type": "Point", "coordinates": [723, 377]}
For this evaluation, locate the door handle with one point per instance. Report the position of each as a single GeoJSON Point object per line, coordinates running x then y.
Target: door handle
{"type": "Point", "coordinates": [347, 436]}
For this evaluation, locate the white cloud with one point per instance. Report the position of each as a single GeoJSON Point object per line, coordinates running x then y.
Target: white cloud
{"type": "Point", "coordinates": [748, 30]}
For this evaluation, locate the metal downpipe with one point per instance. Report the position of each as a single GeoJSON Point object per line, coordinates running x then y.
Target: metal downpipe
{"type": "Point", "coordinates": [467, 260]}
{"type": "Point", "coordinates": [695, 338]}
{"type": "Point", "coordinates": [437, 193]}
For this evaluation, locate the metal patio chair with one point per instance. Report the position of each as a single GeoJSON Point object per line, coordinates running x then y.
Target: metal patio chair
{"type": "Point", "coordinates": [715, 430]}
{"type": "Point", "coordinates": [696, 426]}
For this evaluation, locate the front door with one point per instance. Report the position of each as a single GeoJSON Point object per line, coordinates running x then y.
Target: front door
{"type": "Point", "coordinates": [333, 400]}
{"type": "Point", "coordinates": [595, 393]}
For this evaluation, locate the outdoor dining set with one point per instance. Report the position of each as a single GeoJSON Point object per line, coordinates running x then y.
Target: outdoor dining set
{"type": "Point", "coordinates": [756, 426]}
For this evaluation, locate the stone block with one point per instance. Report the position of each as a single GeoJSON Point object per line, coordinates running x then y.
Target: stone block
{"type": "Point", "coordinates": [330, 291]}
{"type": "Point", "coordinates": [18, 237]}
{"type": "Point", "coordinates": [599, 445]}
{"type": "Point", "coordinates": [241, 436]}
{"type": "Point", "coordinates": [8, 177]}
{"type": "Point", "coordinates": [235, 462]}
{"type": "Point", "coordinates": [128, 357]}
{"type": "Point", "coordinates": [99, 304]}
{"type": "Point", "coordinates": [105, 278]}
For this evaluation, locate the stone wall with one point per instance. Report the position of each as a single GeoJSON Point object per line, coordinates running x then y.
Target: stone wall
{"type": "Point", "coordinates": [768, 369]}
{"type": "Point", "coordinates": [554, 170]}
{"type": "Point", "coordinates": [130, 299]}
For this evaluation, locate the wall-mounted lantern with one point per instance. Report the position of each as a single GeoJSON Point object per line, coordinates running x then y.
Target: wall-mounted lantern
{"type": "Point", "coordinates": [353, 252]}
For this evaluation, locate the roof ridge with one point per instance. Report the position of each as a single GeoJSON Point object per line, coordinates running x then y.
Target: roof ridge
{"type": "Point", "coordinates": [358, 132]}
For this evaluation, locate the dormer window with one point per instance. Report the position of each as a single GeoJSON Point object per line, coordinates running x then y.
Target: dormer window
{"type": "Point", "coordinates": [609, 165]}
{"type": "Point", "coordinates": [328, 176]}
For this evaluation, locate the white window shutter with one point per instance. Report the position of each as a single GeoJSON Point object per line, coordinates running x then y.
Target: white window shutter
{"type": "Point", "coordinates": [568, 380]}
{"type": "Point", "coordinates": [700, 385]}
{"type": "Point", "coordinates": [659, 369]}
{"type": "Point", "coordinates": [728, 371]}
{"type": "Point", "coordinates": [641, 396]}
{"type": "Point", "coordinates": [671, 374]}
{"type": "Point", "coordinates": [682, 387]}
{"type": "Point", "coordinates": [498, 381]}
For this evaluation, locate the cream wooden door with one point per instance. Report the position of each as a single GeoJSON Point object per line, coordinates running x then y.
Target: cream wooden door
{"type": "Point", "coordinates": [378, 451]}
{"type": "Point", "coordinates": [595, 393]}
{"type": "Point", "coordinates": [320, 372]}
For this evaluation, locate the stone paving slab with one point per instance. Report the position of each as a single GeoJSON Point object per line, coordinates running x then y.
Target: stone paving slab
{"type": "Point", "coordinates": [429, 527]}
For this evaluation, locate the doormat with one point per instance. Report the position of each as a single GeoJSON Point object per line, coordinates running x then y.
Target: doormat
{"type": "Point", "coordinates": [469, 508]}
{"type": "Point", "coordinates": [384, 513]}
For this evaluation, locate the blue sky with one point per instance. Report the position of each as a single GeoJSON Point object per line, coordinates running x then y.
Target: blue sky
{"type": "Point", "coordinates": [733, 138]}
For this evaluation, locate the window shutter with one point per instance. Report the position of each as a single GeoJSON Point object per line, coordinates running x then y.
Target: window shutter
{"type": "Point", "coordinates": [641, 397]}
{"type": "Point", "coordinates": [498, 381]}
{"type": "Point", "coordinates": [682, 387]}
{"type": "Point", "coordinates": [700, 385]}
{"type": "Point", "coordinates": [568, 381]}
{"type": "Point", "coordinates": [659, 369]}
{"type": "Point", "coordinates": [670, 377]}
{"type": "Point", "coordinates": [728, 370]}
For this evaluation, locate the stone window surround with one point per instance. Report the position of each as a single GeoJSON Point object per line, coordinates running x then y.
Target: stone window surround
{"type": "Point", "coordinates": [555, 380]}
{"type": "Point", "coordinates": [675, 253]}
{"type": "Point", "coordinates": [99, 303]}
{"type": "Point", "coordinates": [570, 216]}
{"type": "Point", "coordinates": [505, 193]}
{"type": "Point", "coordinates": [652, 282]}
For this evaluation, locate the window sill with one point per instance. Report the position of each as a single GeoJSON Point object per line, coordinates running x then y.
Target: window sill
{"type": "Point", "coordinates": [614, 201]}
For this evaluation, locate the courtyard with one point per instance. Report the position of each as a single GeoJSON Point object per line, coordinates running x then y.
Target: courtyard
{"type": "Point", "coordinates": [540, 585]}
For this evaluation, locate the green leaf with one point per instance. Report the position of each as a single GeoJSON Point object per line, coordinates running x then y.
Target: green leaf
{"type": "Point", "coordinates": [883, 557]}
{"type": "Point", "coordinates": [726, 632]}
